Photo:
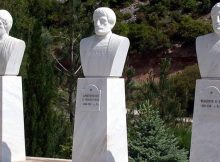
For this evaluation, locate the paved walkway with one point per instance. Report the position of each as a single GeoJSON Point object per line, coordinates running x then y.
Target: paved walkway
{"type": "Point", "coordinates": [38, 159]}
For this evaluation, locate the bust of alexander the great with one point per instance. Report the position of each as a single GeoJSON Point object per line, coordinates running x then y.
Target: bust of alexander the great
{"type": "Point", "coordinates": [11, 49]}
{"type": "Point", "coordinates": [103, 54]}
{"type": "Point", "coordinates": [208, 48]}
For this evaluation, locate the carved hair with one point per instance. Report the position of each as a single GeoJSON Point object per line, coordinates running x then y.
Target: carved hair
{"type": "Point", "coordinates": [215, 9]}
{"type": "Point", "coordinates": [109, 13]}
{"type": "Point", "coordinates": [5, 15]}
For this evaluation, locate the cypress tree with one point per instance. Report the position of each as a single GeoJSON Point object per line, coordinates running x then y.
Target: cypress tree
{"type": "Point", "coordinates": [41, 120]}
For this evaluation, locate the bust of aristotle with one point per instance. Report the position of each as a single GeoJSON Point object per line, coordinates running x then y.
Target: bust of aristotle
{"type": "Point", "coordinates": [11, 49]}
{"type": "Point", "coordinates": [208, 48]}
{"type": "Point", "coordinates": [103, 54]}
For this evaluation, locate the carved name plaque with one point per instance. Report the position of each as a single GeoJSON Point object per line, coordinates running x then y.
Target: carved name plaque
{"type": "Point", "coordinates": [210, 98]}
{"type": "Point", "coordinates": [90, 98]}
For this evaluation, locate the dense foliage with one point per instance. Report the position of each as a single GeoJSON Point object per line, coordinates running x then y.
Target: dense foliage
{"type": "Point", "coordinates": [150, 140]}
{"type": "Point", "coordinates": [184, 86]}
{"type": "Point", "coordinates": [159, 24]}
{"type": "Point", "coordinates": [161, 94]}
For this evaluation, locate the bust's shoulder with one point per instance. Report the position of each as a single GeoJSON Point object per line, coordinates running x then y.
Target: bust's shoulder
{"type": "Point", "coordinates": [16, 41]}
{"type": "Point", "coordinates": [87, 40]}
{"type": "Point", "coordinates": [120, 40]}
{"type": "Point", "coordinates": [119, 37]}
{"type": "Point", "coordinates": [205, 38]}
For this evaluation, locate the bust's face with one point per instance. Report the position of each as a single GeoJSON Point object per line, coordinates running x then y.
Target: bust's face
{"type": "Point", "coordinates": [215, 15]}
{"type": "Point", "coordinates": [102, 26]}
{"type": "Point", "coordinates": [2, 27]}
{"type": "Point", "coordinates": [216, 23]}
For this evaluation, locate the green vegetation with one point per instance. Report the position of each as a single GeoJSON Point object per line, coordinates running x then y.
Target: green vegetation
{"type": "Point", "coordinates": [160, 94]}
{"type": "Point", "coordinates": [51, 66]}
{"type": "Point", "coordinates": [172, 97]}
{"type": "Point", "coordinates": [164, 22]}
{"type": "Point", "coordinates": [184, 85]}
{"type": "Point", "coordinates": [150, 140]}
{"type": "Point", "coordinates": [183, 132]}
{"type": "Point", "coordinates": [45, 127]}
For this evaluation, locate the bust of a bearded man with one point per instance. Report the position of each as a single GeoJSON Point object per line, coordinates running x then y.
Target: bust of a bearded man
{"type": "Point", "coordinates": [103, 54]}
{"type": "Point", "coordinates": [11, 49]}
{"type": "Point", "coordinates": [208, 48]}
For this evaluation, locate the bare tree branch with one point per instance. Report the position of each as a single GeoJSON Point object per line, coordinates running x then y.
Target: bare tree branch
{"type": "Point", "coordinates": [78, 69]}
{"type": "Point", "coordinates": [59, 63]}
{"type": "Point", "coordinates": [72, 46]}
{"type": "Point", "coordinates": [61, 37]}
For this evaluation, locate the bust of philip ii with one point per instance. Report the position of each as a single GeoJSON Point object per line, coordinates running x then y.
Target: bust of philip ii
{"type": "Point", "coordinates": [11, 49]}
{"type": "Point", "coordinates": [208, 48]}
{"type": "Point", "coordinates": [103, 54]}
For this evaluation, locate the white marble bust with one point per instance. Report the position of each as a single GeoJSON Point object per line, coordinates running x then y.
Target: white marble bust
{"type": "Point", "coordinates": [103, 54]}
{"type": "Point", "coordinates": [208, 48]}
{"type": "Point", "coordinates": [11, 49]}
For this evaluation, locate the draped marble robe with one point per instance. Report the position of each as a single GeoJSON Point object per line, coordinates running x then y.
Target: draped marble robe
{"type": "Point", "coordinates": [11, 54]}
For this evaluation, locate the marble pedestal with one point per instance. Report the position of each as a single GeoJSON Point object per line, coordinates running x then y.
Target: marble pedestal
{"type": "Point", "coordinates": [100, 133]}
{"type": "Point", "coordinates": [12, 145]}
{"type": "Point", "coordinates": [205, 143]}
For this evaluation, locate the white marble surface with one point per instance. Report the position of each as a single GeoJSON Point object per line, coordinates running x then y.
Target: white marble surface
{"type": "Point", "coordinates": [103, 54]}
{"type": "Point", "coordinates": [215, 13]}
{"type": "Point", "coordinates": [101, 136]}
{"type": "Point", "coordinates": [12, 145]}
{"type": "Point", "coordinates": [11, 49]}
{"type": "Point", "coordinates": [208, 48]}
{"type": "Point", "coordinates": [42, 159]}
{"type": "Point", "coordinates": [208, 55]}
{"type": "Point", "coordinates": [205, 145]}
{"type": "Point", "coordinates": [205, 142]}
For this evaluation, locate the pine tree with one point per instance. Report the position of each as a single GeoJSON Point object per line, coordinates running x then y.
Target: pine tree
{"type": "Point", "coordinates": [150, 140]}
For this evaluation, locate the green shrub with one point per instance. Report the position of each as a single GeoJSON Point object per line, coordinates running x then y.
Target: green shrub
{"type": "Point", "coordinates": [121, 29]}
{"type": "Point", "coordinates": [184, 84]}
{"type": "Point", "coordinates": [66, 148]}
{"type": "Point", "coordinates": [189, 29]}
{"type": "Point", "coordinates": [204, 6]}
{"type": "Point", "coordinates": [146, 39]}
{"type": "Point", "coordinates": [118, 3]}
{"type": "Point", "coordinates": [141, 17]}
{"type": "Point", "coordinates": [183, 133]}
{"type": "Point", "coordinates": [127, 16]}
{"type": "Point", "coordinates": [150, 140]}
{"type": "Point", "coordinates": [189, 5]}
{"type": "Point", "coordinates": [119, 15]}
{"type": "Point", "coordinates": [160, 94]}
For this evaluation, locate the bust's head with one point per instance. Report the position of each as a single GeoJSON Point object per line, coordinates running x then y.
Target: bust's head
{"type": "Point", "coordinates": [6, 21]}
{"type": "Point", "coordinates": [215, 15]}
{"type": "Point", "coordinates": [104, 20]}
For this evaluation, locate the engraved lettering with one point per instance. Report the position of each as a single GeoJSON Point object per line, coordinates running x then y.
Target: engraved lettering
{"type": "Point", "coordinates": [90, 98]}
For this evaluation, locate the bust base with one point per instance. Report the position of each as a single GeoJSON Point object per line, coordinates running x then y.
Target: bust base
{"type": "Point", "coordinates": [100, 132]}
{"type": "Point", "coordinates": [12, 145]}
{"type": "Point", "coordinates": [205, 143]}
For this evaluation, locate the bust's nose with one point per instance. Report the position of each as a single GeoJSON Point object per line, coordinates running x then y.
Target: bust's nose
{"type": "Point", "coordinates": [218, 19]}
{"type": "Point", "coordinates": [97, 23]}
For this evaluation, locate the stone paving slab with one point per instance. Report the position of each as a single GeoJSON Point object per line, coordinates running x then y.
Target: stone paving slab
{"type": "Point", "coordinates": [39, 159]}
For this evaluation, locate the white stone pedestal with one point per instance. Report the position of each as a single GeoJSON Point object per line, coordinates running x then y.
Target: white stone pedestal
{"type": "Point", "coordinates": [12, 145]}
{"type": "Point", "coordinates": [100, 133]}
{"type": "Point", "coordinates": [205, 143]}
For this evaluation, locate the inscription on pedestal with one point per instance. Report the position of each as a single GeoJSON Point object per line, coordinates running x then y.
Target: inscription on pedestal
{"type": "Point", "coordinates": [210, 98]}
{"type": "Point", "coordinates": [90, 98]}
